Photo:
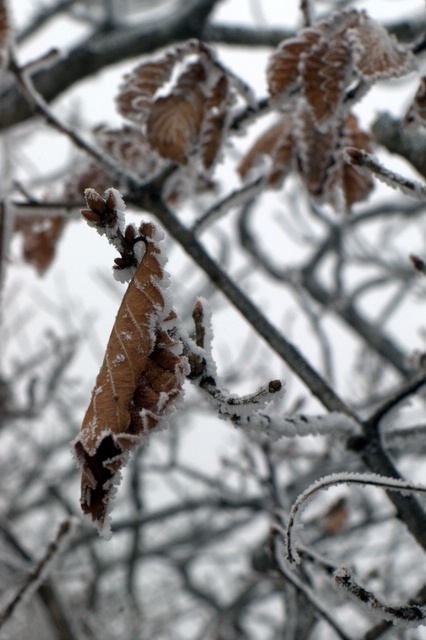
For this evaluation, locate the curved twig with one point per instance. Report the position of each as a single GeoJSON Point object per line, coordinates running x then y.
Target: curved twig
{"type": "Point", "coordinates": [373, 480]}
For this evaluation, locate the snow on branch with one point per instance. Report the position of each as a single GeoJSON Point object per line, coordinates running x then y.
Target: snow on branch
{"type": "Point", "coordinates": [239, 409]}
{"type": "Point", "coordinates": [363, 479]}
{"type": "Point", "coordinates": [247, 411]}
{"type": "Point", "coordinates": [404, 615]}
{"type": "Point", "coordinates": [366, 163]}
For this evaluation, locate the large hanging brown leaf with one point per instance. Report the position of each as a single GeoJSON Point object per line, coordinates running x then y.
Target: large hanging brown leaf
{"type": "Point", "coordinates": [140, 378]}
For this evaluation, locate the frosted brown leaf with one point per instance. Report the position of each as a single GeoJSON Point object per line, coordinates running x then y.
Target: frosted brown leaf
{"type": "Point", "coordinates": [174, 123]}
{"type": "Point", "coordinates": [326, 70]}
{"type": "Point", "coordinates": [276, 143]}
{"type": "Point", "coordinates": [141, 375]}
{"type": "Point", "coordinates": [316, 154]}
{"type": "Point", "coordinates": [140, 86]}
{"type": "Point", "coordinates": [377, 54]}
{"type": "Point", "coordinates": [214, 126]}
{"type": "Point", "coordinates": [284, 67]}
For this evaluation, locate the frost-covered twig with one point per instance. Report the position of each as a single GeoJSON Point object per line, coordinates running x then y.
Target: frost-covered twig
{"type": "Point", "coordinates": [240, 408]}
{"type": "Point", "coordinates": [404, 615]}
{"type": "Point", "coordinates": [363, 161]}
{"type": "Point", "coordinates": [407, 440]}
{"type": "Point", "coordinates": [246, 411]}
{"type": "Point", "coordinates": [39, 573]}
{"type": "Point", "coordinates": [363, 479]}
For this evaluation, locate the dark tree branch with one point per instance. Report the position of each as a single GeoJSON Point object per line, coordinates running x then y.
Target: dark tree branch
{"type": "Point", "coordinates": [147, 198]}
{"type": "Point", "coordinates": [103, 49]}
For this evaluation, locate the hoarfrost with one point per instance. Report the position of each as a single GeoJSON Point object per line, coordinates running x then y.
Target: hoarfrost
{"type": "Point", "coordinates": [402, 615]}
{"type": "Point", "coordinates": [363, 479]}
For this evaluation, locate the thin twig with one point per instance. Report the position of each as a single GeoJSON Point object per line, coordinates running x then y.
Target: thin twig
{"type": "Point", "coordinates": [40, 106]}
{"type": "Point", "coordinates": [363, 479]}
{"type": "Point", "coordinates": [36, 575]}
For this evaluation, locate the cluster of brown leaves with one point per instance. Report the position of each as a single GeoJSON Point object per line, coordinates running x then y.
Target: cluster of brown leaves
{"type": "Point", "coordinates": [294, 143]}
{"type": "Point", "coordinates": [315, 77]}
{"type": "Point", "coordinates": [187, 125]}
{"type": "Point", "coordinates": [142, 373]}
{"type": "Point", "coordinates": [184, 123]}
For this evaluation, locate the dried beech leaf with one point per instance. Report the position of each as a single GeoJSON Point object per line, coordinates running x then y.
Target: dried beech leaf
{"type": "Point", "coordinates": [41, 235]}
{"type": "Point", "coordinates": [326, 71]}
{"type": "Point", "coordinates": [216, 115]}
{"type": "Point", "coordinates": [140, 377]}
{"type": "Point", "coordinates": [377, 54]}
{"type": "Point", "coordinates": [317, 154]}
{"type": "Point", "coordinates": [186, 122]}
{"type": "Point", "coordinates": [284, 67]}
{"type": "Point", "coordinates": [89, 175]}
{"type": "Point", "coordinates": [140, 86]}
{"type": "Point", "coordinates": [277, 143]}
{"type": "Point", "coordinates": [344, 185]}
{"type": "Point", "coordinates": [174, 124]}
{"type": "Point", "coordinates": [336, 517]}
